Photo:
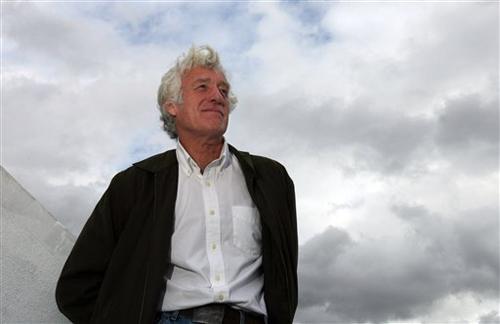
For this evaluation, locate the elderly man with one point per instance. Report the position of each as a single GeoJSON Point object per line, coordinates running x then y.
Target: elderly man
{"type": "Point", "coordinates": [200, 234]}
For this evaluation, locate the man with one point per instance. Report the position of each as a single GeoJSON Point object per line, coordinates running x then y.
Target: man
{"type": "Point", "coordinates": [201, 234]}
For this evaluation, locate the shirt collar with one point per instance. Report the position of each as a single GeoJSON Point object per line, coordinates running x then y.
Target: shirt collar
{"type": "Point", "coordinates": [189, 165]}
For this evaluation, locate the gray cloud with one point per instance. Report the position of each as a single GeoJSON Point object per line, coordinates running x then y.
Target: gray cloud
{"type": "Point", "coordinates": [381, 142]}
{"type": "Point", "coordinates": [70, 203]}
{"type": "Point", "coordinates": [381, 87]}
{"type": "Point", "coordinates": [349, 205]}
{"type": "Point", "coordinates": [467, 133]}
{"type": "Point", "coordinates": [467, 120]}
{"type": "Point", "coordinates": [64, 147]}
{"type": "Point", "coordinates": [490, 318]}
{"type": "Point", "coordinates": [377, 280]}
{"type": "Point", "coordinates": [464, 132]}
{"type": "Point", "coordinates": [61, 40]}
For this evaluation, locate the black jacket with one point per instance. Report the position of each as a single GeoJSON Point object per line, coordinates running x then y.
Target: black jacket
{"type": "Point", "coordinates": [115, 272]}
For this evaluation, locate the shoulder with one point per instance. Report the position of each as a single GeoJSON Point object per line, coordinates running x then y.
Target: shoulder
{"type": "Point", "coordinates": [157, 162]}
{"type": "Point", "coordinates": [272, 170]}
{"type": "Point", "coordinates": [143, 170]}
{"type": "Point", "coordinates": [261, 165]}
{"type": "Point", "coordinates": [265, 163]}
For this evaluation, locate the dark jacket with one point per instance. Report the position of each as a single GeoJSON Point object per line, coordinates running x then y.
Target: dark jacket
{"type": "Point", "coordinates": [115, 272]}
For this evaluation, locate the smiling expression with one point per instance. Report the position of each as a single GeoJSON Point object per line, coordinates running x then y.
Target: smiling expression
{"type": "Point", "coordinates": [205, 107]}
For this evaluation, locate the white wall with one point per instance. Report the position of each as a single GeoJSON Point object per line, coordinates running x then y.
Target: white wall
{"type": "Point", "coordinates": [34, 247]}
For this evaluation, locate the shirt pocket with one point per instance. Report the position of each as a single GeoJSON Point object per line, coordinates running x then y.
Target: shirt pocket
{"type": "Point", "coordinates": [247, 230]}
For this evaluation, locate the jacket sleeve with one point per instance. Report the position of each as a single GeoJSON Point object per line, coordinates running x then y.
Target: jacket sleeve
{"type": "Point", "coordinates": [294, 242]}
{"type": "Point", "coordinates": [81, 277]}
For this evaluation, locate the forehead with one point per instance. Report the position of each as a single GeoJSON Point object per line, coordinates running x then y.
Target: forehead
{"type": "Point", "coordinates": [202, 73]}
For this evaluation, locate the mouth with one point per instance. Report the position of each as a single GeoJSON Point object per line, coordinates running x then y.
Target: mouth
{"type": "Point", "coordinates": [216, 111]}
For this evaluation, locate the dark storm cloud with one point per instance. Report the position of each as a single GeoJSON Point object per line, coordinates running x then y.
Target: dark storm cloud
{"type": "Point", "coordinates": [490, 318]}
{"type": "Point", "coordinates": [470, 240]}
{"type": "Point", "coordinates": [478, 245]}
{"type": "Point", "coordinates": [467, 120]}
{"type": "Point", "coordinates": [376, 280]}
{"type": "Point", "coordinates": [320, 252]}
{"type": "Point", "coordinates": [383, 142]}
{"type": "Point", "coordinates": [467, 133]}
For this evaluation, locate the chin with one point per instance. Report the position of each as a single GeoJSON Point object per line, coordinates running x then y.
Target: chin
{"type": "Point", "coordinates": [217, 128]}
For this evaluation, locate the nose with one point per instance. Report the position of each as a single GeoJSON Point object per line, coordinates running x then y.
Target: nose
{"type": "Point", "coordinates": [217, 96]}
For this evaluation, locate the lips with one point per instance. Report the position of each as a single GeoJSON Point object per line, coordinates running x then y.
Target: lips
{"type": "Point", "coordinates": [214, 110]}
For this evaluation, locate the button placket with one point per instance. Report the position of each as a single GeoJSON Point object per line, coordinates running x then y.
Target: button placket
{"type": "Point", "coordinates": [213, 233]}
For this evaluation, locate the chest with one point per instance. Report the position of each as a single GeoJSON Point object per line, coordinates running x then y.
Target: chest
{"type": "Point", "coordinates": [215, 209]}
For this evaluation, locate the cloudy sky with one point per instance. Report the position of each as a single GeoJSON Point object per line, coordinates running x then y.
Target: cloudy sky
{"type": "Point", "coordinates": [385, 115]}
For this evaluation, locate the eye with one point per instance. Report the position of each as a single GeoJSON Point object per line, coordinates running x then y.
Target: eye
{"type": "Point", "coordinates": [224, 91]}
{"type": "Point", "coordinates": [202, 87]}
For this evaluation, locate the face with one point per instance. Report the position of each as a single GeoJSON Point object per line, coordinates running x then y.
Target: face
{"type": "Point", "coordinates": [205, 108]}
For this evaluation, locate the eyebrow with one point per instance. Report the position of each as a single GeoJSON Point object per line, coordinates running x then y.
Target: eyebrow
{"type": "Point", "coordinates": [205, 80]}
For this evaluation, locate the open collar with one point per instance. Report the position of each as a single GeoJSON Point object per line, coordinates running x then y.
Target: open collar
{"type": "Point", "coordinates": [168, 159]}
{"type": "Point", "coordinates": [188, 164]}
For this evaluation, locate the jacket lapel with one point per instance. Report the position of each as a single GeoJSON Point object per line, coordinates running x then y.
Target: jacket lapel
{"type": "Point", "coordinates": [259, 193]}
{"type": "Point", "coordinates": [164, 168]}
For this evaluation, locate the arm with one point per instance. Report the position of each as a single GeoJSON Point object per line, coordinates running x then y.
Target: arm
{"type": "Point", "coordinates": [294, 243]}
{"type": "Point", "coordinates": [84, 270]}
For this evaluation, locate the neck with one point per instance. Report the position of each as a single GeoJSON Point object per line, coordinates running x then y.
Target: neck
{"type": "Point", "coordinates": [203, 151]}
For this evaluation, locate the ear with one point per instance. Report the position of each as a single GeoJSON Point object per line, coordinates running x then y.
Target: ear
{"type": "Point", "coordinates": [170, 108]}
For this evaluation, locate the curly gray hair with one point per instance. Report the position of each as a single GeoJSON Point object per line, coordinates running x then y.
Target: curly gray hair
{"type": "Point", "coordinates": [170, 86]}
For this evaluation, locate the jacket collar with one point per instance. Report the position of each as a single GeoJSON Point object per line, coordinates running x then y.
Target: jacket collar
{"type": "Point", "coordinates": [188, 165]}
{"type": "Point", "coordinates": [167, 159]}
{"type": "Point", "coordinates": [158, 162]}
{"type": "Point", "coordinates": [245, 161]}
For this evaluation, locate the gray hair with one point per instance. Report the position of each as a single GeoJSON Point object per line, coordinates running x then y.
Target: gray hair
{"type": "Point", "coordinates": [170, 87]}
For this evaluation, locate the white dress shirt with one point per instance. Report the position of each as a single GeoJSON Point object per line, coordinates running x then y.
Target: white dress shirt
{"type": "Point", "coordinates": [216, 254]}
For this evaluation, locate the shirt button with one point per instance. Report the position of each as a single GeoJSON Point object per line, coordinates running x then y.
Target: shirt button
{"type": "Point", "coordinates": [217, 277]}
{"type": "Point", "coordinates": [214, 246]}
{"type": "Point", "coordinates": [220, 297]}
{"type": "Point", "coordinates": [211, 212]}
{"type": "Point", "coordinates": [207, 183]}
